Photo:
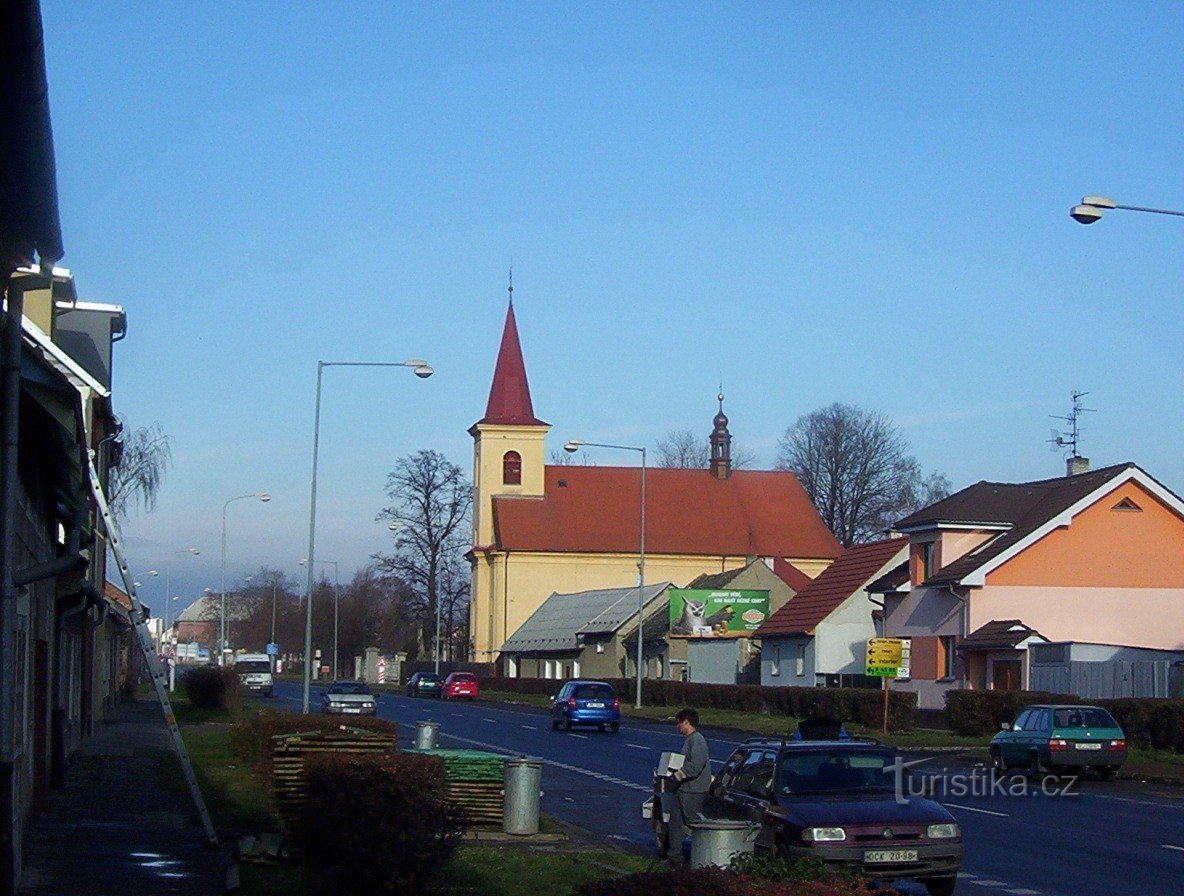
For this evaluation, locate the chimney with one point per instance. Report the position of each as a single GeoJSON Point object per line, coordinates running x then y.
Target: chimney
{"type": "Point", "coordinates": [1076, 465]}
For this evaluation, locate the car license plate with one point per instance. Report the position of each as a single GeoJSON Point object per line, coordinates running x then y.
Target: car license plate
{"type": "Point", "coordinates": [596, 705]}
{"type": "Point", "coordinates": [352, 709]}
{"type": "Point", "coordinates": [1089, 746]}
{"type": "Point", "coordinates": [890, 855]}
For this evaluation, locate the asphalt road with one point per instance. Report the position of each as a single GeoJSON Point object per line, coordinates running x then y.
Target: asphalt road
{"type": "Point", "coordinates": [1099, 839]}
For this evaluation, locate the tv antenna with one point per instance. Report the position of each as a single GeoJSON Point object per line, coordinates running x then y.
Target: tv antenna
{"type": "Point", "coordinates": [1071, 438]}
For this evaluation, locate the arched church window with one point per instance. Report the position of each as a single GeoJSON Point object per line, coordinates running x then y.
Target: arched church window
{"type": "Point", "coordinates": [512, 468]}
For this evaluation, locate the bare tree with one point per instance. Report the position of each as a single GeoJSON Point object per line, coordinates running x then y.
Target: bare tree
{"type": "Point", "coordinates": [684, 450]}
{"type": "Point", "coordinates": [857, 470]}
{"type": "Point", "coordinates": [144, 458]}
{"type": "Point", "coordinates": [431, 500]}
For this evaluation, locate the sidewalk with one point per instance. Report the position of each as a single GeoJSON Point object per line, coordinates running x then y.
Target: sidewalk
{"type": "Point", "coordinates": [113, 830]}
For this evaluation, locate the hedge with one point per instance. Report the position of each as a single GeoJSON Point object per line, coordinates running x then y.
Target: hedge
{"type": "Point", "coordinates": [712, 881]}
{"type": "Point", "coordinates": [250, 738]}
{"type": "Point", "coordinates": [211, 687]}
{"type": "Point", "coordinates": [1150, 723]}
{"type": "Point", "coordinates": [860, 705]}
{"type": "Point", "coordinates": [378, 823]}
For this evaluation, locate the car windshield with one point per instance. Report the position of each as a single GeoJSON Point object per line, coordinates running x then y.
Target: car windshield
{"type": "Point", "coordinates": [428, 679]}
{"type": "Point", "coordinates": [252, 666]}
{"type": "Point", "coordinates": [1083, 717]}
{"type": "Point", "coordinates": [835, 771]}
{"type": "Point", "coordinates": [593, 692]}
{"type": "Point", "coordinates": [350, 687]}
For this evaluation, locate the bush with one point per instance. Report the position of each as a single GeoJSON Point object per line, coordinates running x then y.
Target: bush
{"type": "Point", "coordinates": [250, 739]}
{"type": "Point", "coordinates": [864, 706]}
{"type": "Point", "coordinates": [376, 823]}
{"type": "Point", "coordinates": [211, 687]}
{"type": "Point", "coordinates": [1149, 723]}
{"type": "Point", "coordinates": [722, 882]}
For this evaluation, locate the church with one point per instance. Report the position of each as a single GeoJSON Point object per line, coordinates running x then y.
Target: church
{"type": "Point", "coordinates": [539, 529]}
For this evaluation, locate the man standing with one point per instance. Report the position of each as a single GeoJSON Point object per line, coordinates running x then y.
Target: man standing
{"type": "Point", "coordinates": [692, 781]}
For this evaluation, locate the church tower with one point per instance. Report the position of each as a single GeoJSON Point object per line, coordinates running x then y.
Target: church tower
{"type": "Point", "coordinates": [721, 444]}
{"type": "Point", "coordinates": [509, 459]}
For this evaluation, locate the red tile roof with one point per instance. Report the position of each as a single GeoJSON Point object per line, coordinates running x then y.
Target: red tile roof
{"type": "Point", "coordinates": [837, 582]}
{"type": "Point", "coordinates": [509, 396]}
{"type": "Point", "coordinates": [791, 575]}
{"type": "Point", "coordinates": [598, 509]}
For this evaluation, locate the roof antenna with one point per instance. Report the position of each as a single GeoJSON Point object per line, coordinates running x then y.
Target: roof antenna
{"type": "Point", "coordinates": [1071, 438]}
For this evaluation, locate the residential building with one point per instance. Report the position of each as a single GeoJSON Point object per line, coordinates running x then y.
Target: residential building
{"type": "Point", "coordinates": [540, 529]}
{"type": "Point", "coordinates": [820, 636]}
{"type": "Point", "coordinates": [997, 569]}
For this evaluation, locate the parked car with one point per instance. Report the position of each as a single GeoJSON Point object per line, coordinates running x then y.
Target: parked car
{"type": "Point", "coordinates": [349, 698]}
{"type": "Point", "coordinates": [586, 703]}
{"type": "Point", "coordinates": [839, 802]}
{"type": "Point", "coordinates": [254, 672]}
{"type": "Point", "coordinates": [1058, 739]}
{"type": "Point", "coordinates": [461, 684]}
{"type": "Point", "coordinates": [424, 684]}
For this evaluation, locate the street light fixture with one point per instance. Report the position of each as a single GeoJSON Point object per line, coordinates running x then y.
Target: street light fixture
{"type": "Point", "coordinates": [575, 445]}
{"type": "Point", "coordinates": [421, 369]}
{"type": "Point", "coordinates": [168, 598]}
{"type": "Point", "coordinates": [264, 497]}
{"type": "Point", "coordinates": [1092, 207]}
{"type": "Point", "coordinates": [336, 604]}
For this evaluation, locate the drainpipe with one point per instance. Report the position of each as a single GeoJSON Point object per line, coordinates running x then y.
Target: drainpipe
{"type": "Point", "coordinates": [963, 616]}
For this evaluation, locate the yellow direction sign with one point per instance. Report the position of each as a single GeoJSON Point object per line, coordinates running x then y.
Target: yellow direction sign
{"type": "Point", "coordinates": [884, 657]}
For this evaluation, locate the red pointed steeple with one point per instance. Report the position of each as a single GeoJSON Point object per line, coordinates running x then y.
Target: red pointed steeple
{"type": "Point", "coordinates": [509, 396]}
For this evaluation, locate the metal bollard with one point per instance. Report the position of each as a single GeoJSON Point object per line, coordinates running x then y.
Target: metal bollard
{"type": "Point", "coordinates": [425, 735]}
{"type": "Point", "coordinates": [520, 795]}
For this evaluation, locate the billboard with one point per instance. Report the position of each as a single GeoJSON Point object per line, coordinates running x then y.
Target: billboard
{"type": "Point", "coordinates": [707, 613]}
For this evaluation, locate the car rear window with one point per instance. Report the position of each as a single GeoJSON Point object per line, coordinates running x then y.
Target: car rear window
{"type": "Point", "coordinates": [463, 676]}
{"type": "Point", "coordinates": [429, 678]}
{"type": "Point", "coordinates": [252, 666]}
{"type": "Point", "coordinates": [594, 692]}
{"type": "Point", "coordinates": [1083, 717]}
{"type": "Point", "coordinates": [822, 771]}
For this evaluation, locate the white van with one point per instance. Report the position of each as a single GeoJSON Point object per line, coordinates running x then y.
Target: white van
{"type": "Point", "coordinates": [254, 672]}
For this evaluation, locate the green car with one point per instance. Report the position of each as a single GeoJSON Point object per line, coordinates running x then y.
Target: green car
{"type": "Point", "coordinates": [1060, 739]}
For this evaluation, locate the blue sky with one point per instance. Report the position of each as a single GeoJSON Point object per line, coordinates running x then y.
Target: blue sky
{"type": "Point", "coordinates": [848, 202]}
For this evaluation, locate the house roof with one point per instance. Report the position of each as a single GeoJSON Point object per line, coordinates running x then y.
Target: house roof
{"type": "Point", "coordinates": [596, 509]}
{"type": "Point", "coordinates": [1021, 510]}
{"type": "Point", "coordinates": [891, 580]}
{"type": "Point", "coordinates": [834, 585]}
{"type": "Point", "coordinates": [790, 574]}
{"type": "Point", "coordinates": [999, 634]}
{"type": "Point", "coordinates": [509, 396]}
{"type": "Point", "coordinates": [555, 624]}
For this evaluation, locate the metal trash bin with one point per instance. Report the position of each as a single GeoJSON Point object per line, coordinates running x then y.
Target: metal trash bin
{"type": "Point", "coordinates": [520, 795]}
{"type": "Point", "coordinates": [425, 735]}
{"type": "Point", "coordinates": [715, 840]}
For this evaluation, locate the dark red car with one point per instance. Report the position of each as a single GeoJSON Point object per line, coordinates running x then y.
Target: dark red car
{"type": "Point", "coordinates": [461, 685]}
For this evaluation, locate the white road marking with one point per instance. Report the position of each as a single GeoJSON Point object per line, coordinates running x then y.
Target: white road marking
{"type": "Point", "coordinates": [974, 809]}
{"type": "Point", "coordinates": [1169, 846]}
{"type": "Point", "coordinates": [489, 720]}
{"type": "Point", "coordinates": [580, 736]}
{"type": "Point", "coordinates": [637, 746]}
{"type": "Point", "coordinates": [990, 883]}
{"type": "Point", "coordinates": [530, 727]}
{"type": "Point", "coordinates": [1020, 891]}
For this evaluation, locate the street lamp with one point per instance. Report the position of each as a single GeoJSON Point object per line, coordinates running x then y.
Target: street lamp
{"type": "Point", "coordinates": [421, 369]}
{"type": "Point", "coordinates": [168, 598]}
{"type": "Point", "coordinates": [1092, 207]}
{"type": "Point", "coordinates": [575, 445]}
{"type": "Point", "coordinates": [264, 497]}
{"type": "Point", "coordinates": [336, 583]}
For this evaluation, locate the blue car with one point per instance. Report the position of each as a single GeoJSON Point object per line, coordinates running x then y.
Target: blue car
{"type": "Point", "coordinates": [586, 703]}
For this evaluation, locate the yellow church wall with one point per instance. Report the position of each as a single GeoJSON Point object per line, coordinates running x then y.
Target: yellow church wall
{"type": "Point", "coordinates": [490, 444]}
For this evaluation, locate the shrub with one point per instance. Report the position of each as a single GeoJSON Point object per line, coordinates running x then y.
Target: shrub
{"type": "Point", "coordinates": [211, 687]}
{"type": "Point", "coordinates": [722, 882]}
{"type": "Point", "coordinates": [380, 824]}
{"type": "Point", "coordinates": [864, 706]}
{"type": "Point", "coordinates": [250, 739]}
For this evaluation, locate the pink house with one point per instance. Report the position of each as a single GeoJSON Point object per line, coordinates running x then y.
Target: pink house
{"type": "Point", "coordinates": [1093, 561]}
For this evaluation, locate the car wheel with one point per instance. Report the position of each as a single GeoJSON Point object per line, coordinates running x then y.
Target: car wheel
{"type": "Point", "coordinates": [1036, 768]}
{"type": "Point", "coordinates": [1106, 772]}
{"type": "Point", "coordinates": [554, 724]}
{"type": "Point", "coordinates": [567, 724]}
{"type": "Point", "coordinates": [614, 727]}
{"type": "Point", "coordinates": [997, 762]}
{"type": "Point", "coordinates": [661, 833]}
{"type": "Point", "coordinates": [941, 886]}
{"type": "Point", "coordinates": [600, 728]}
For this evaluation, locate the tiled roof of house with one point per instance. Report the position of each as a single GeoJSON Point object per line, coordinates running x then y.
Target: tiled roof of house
{"type": "Point", "coordinates": [891, 580]}
{"type": "Point", "coordinates": [998, 634]}
{"type": "Point", "coordinates": [837, 582]}
{"type": "Point", "coordinates": [596, 509]}
{"type": "Point", "coordinates": [509, 396]}
{"type": "Point", "coordinates": [790, 574]}
{"type": "Point", "coordinates": [1023, 507]}
{"type": "Point", "coordinates": [555, 624]}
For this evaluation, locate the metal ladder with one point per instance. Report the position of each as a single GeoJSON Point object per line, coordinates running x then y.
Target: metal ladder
{"type": "Point", "coordinates": [159, 679]}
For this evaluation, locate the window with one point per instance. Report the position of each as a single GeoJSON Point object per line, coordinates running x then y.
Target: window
{"type": "Point", "coordinates": [775, 660]}
{"type": "Point", "coordinates": [945, 656]}
{"type": "Point", "coordinates": [511, 667]}
{"type": "Point", "coordinates": [761, 783]}
{"type": "Point", "coordinates": [724, 778]}
{"type": "Point", "coordinates": [800, 660]}
{"type": "Point", "coordinates": [600, 647]}
{"type": "Point", "coordinates": [1021, 722]}
{"type": "Point", "coordinates": [512, 468]}
{"type": "Point", "coordinates": [575, 669]}
{"type": "Point", "coordinates": [923, 561]}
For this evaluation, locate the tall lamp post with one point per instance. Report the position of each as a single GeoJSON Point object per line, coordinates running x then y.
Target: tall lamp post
{"type": "Point", "coordinates": [1092, 208]}
{"type": "Point", "coordinates": [575, 445]}
{"type": "Point", "coordinates": [336, 605]}
{"type": "Point", "coordinates": [264, 497]}
{"type": "Point", "coordinates": [421, 370]}
{"type": "Point", "coordinates": [168, 598]}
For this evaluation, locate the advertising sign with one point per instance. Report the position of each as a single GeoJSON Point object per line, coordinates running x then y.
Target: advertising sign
{"type": "Point", "coordinates": [706, 613]}
{"type": "Point", "coordinates": [885, 657]}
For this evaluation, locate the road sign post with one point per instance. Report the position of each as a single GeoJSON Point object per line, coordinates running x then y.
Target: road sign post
{"type": "Point", "coordinates": [886, 658]}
